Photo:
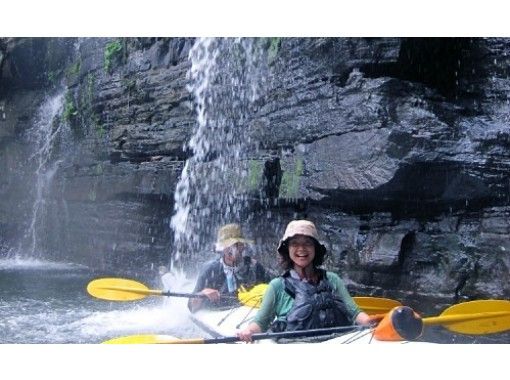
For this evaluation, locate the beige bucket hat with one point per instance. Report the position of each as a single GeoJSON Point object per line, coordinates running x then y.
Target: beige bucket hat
{"type": "Point", "coordinates": [300, 227]}
{"type": "Point", "coordinates": [228, 235]}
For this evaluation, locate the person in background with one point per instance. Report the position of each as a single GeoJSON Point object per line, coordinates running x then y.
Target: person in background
{"type": "Point", "coordinates": [304, 296]}
{"type": "Point", "coordinates": [224, 275]}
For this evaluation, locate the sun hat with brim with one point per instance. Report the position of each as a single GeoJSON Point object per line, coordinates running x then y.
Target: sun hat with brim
{"type": "Point", "coordinates": [300, 227]}
{"type": "Point", "coordinates": [229, 235]}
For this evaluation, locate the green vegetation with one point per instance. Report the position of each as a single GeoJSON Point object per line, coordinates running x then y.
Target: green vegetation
{"type": "Point", "coordinates": [289, 186]}
{"type": "Point", "coordinates": [96, 121]}
{"type": "Point", "coordinates": [88, 114]}
{"type": "Point", "coordinates": [274, 47]}
{"type": "Point", "coordinates": [98, 170]}
{"type": "Point", "coordinates": [71, 113]}
{"type": "Point", "coordinates": [255, 170]}
{"type": "Point", "coordinates": [88, 95]}
{"type": "Point", "coordinates": [69, 108]}
{"type": "Point", "coordinates": [92, 195]}
{"type": "Point", "coordinates": [129, 84]}
{"type": "Point", "coordinates": [52, 76]}
{"type": "Point", "coordinates": [112, 54]}
{"type": "Point", "coordinates": [101, 132]}
{"type": "Point", "coordinates": [73, 70]}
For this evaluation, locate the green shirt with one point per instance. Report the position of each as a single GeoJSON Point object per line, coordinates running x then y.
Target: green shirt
{"type": "Point", "coordinates": [277, 302]}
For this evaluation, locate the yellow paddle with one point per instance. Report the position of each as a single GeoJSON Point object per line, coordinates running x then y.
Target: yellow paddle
{"type": "Point", "coordinates": [376, 305]}
{"type": "Point", "coordinates": [121, 289]}
{"type": "Point", "coordinates": [143, 339]}
{"type": "Point", "coordinates": [473, 318]}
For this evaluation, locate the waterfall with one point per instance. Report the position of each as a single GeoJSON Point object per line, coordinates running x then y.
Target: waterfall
{"type": "Point", "coordinates": [44, 140]}
{"type": "Point", "coordinates": [226, 78]}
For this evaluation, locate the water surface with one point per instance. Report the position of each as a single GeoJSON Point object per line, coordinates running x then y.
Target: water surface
{"type": "Point", "coordinates": [43, 302]}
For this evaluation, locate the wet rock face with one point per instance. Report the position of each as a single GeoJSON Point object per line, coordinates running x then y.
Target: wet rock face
{"type": "Point", "coordinates": [398, 148]}
{"type": "Point", "coordinates": [410, 141]}
{"type": "Point", "coordinates": [403, 132]}
{"type": "Point", "coordinates": [33, 63]}
{"type": "Point", "coordinates": [127, 115]}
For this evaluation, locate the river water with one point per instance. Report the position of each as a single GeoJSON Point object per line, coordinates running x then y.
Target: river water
{"type": "Point", "coordinates": [47, 302]}
{"type": "Point", "coordinates": [44, 302]}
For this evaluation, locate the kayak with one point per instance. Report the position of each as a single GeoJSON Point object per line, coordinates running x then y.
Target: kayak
{"type": "Point", "coordinates": [477, 317]}
{"type": "Point", "coordinates": [224, 323]}
{"type": "Point", "coordinates": [221, 323]}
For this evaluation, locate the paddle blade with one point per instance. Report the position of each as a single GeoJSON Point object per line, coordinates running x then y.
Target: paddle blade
{"type": "Point", "coordinates": [143, 339]}
{"type": "Point", "coordinates": [119, 289]}
{"type": "Point", "coordinates": [252, 297]}
{"type": "Point", "coordinates": [376, 305]}
{"type": "Point", "coordinates": [475, 317]}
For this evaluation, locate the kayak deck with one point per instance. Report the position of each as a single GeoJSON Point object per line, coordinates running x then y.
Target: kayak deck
{"type": "Point", "coordinates": [223, 323]}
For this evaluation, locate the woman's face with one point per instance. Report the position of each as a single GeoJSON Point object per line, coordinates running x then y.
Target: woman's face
{"type": "Point", "coordinates": [301, 250]}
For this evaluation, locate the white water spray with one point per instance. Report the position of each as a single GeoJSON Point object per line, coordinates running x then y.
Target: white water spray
{"type": "Point", "coordinates": [43, 136]}
{"type": "Point", "coordinates": [226, 79]}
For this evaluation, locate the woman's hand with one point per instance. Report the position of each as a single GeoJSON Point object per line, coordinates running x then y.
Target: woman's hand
{"type": "Point", "coordinates": [364, 319]}
{"type": "Point", "coordinates": [246, 334]}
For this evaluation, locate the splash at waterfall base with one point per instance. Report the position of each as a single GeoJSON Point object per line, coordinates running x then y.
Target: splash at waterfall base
{"type": "Point", "coordinates": [45, 302]}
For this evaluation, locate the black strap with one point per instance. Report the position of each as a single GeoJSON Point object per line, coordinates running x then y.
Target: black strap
{"type": "Point", "coordinates": [291, 290]}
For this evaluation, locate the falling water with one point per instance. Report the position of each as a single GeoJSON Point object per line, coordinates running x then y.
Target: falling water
{"type": "Point", "coordinates": [43, 138]}
{"type": "Point", "coordinates": [226, 78]}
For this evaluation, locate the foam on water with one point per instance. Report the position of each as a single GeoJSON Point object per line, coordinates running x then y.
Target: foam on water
{"type": "Point", "coordinates": [40, 264]}
{"type": "Point", "coordinates": [45, 302]}
{"type": "Point", "coordinates": [160, 316]}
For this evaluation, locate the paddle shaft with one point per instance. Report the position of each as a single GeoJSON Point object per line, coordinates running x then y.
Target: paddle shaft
{"type": "Point", "coordinates": [185, 295]}
{"type": "Point", "coordinates": [283, 334]}
{"type": "Point", "coordinates": [153, 292]}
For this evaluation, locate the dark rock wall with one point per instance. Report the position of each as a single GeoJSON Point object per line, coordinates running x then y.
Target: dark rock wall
{"type": "Point", "coordinates": [397, 147]}
{"type": "Point", "coordinates": [399, 151]}
{"type": "Point", "coordinates": [131, 122]}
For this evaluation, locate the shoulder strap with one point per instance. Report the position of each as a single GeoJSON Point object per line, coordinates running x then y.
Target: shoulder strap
{"type": "Point", "coordinates": [290, 289]}
{"type": "Point", "coordinates": [324, 283]}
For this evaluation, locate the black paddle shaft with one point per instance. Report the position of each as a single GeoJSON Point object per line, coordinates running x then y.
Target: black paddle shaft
{"type": "Point", "coordinates": [288, 334]}
{"type": "Point", "coordinates": [185, 295]}
{"type": "Point", "coordinates": [191, 295]}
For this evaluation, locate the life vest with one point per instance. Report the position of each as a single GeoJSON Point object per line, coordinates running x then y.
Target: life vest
{"type": "Point", "coordinates": [315, 306]}
{"type": "Point", "coordinates": [213, 276]}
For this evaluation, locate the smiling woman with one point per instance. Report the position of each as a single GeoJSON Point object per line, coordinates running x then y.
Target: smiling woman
{"type": "Point", "coordinates": [302, 253]}
{"type": "Point", "coordinates": [304, 296]}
